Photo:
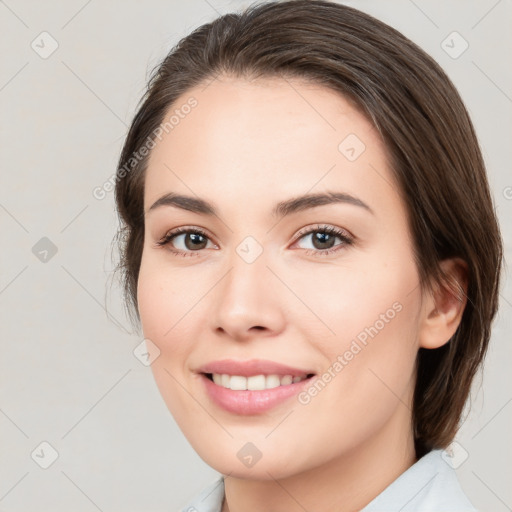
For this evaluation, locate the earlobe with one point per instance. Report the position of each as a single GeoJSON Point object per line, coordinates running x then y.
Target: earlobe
{"type": "Point", "coordinates": [443, 307]}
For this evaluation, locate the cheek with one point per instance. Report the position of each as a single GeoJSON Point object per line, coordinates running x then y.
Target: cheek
{"type": "Point", "coordinates": [165, 308]}
{"type": "Point", "coordinates": [370, 320]}
{"type": "Point", "coordinates": [166, 297]}
{"type": "Point", "coordinates": [374, 378]}
{"type": "Point", "coordinates": [375, 360]}
{"type": "Point", "coordinates": [164, 305]}
{"type": "Point", "coordinates": [365, 294]}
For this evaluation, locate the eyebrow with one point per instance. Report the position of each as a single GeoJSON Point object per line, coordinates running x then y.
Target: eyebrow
{"type": "Point", "coordinates": [281, 209]}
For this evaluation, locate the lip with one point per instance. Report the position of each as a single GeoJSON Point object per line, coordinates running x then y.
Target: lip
{"type": "Point", "coordinates": [247, 402]}
{"type": "Point", "coordinates": [252, 367]}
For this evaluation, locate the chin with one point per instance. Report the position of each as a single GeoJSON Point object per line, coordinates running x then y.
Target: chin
{"type": "Point", "coordinates": [246, 460]}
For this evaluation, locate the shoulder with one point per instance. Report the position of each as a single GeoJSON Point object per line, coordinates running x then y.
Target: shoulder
{"type": "Point", "coordinates": [430, 485]}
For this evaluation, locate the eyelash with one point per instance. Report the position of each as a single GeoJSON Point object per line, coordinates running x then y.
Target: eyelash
{"type": "Point", "coordinates": [330, 230]}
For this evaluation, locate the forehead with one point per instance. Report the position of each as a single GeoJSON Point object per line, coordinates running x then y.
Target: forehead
{"type": "Point", "coordinates": [263, 137]}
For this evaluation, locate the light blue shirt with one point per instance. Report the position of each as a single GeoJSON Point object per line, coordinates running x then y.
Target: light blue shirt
{"type": "Point", "coordinates": [429, 485]}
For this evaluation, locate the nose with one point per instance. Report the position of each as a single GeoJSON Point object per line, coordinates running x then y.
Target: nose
{"type": "Point", "coordinates": [247, 302]}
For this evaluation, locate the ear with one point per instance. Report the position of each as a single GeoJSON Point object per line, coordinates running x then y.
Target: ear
{"type": "Point", "coordinates": [443, 307]}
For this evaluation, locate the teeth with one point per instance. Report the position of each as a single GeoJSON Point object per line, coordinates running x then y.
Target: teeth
{"type": "Point", "coordinates": [238, 383]}
{"type": "Point", "coordinates": [287, 379]}
{"type": "Point", "coordinates": [272, 381]}
{"type": "Point", "coordinates": [255, 382]}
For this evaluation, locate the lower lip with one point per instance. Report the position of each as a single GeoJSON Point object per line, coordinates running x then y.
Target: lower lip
{"type": "Point", "coordinates": [251, 402]}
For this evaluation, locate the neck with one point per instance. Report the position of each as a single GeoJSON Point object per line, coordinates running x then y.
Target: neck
{"type": "Point", "coordinates": [343, 484]}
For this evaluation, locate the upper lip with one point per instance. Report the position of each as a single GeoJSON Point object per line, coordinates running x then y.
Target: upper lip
{"type": "Point", "coordinates": [251, 367]}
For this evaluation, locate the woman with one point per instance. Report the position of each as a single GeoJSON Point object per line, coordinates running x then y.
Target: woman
{"type": "Point", "coordinates": [310, 245]}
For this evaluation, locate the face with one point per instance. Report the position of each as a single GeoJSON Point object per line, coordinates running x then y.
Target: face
{"type": "Point", "coordinates": [287, 329]}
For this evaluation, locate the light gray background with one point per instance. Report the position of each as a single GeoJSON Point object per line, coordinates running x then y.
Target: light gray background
{"type": "Point", "coordinates": [68, 373]}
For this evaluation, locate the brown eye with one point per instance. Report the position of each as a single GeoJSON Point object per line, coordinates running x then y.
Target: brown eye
{"type": "Point", "coordinates": [193, 241]}
{"type": "Point", "coordinates": [323, 239]}
{"type": "Point", "coordinates": [184, 242]}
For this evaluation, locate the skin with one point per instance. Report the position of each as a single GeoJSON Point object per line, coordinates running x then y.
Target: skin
{"type": "Point", "coordinates": [246, 146]}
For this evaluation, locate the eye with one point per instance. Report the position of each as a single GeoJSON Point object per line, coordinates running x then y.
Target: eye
{"type": "Point", "coordinates": [193, 240]}
{"type": "Point", "coordinates": [322, 238]}
{"type": "Point", "coordinates": [190, 240]}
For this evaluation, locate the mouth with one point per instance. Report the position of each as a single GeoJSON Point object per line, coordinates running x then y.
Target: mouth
{"type": "Point", "coordinates": [259, 382]}
{"type": "Point", "coordinates": [252, 387]}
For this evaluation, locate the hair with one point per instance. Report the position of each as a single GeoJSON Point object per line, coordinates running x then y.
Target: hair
{"type": "Point", "coordinates": [431, 143]}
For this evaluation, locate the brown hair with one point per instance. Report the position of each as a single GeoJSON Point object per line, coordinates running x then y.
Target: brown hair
{"type": "Point", "coordinates": [429, 136]}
